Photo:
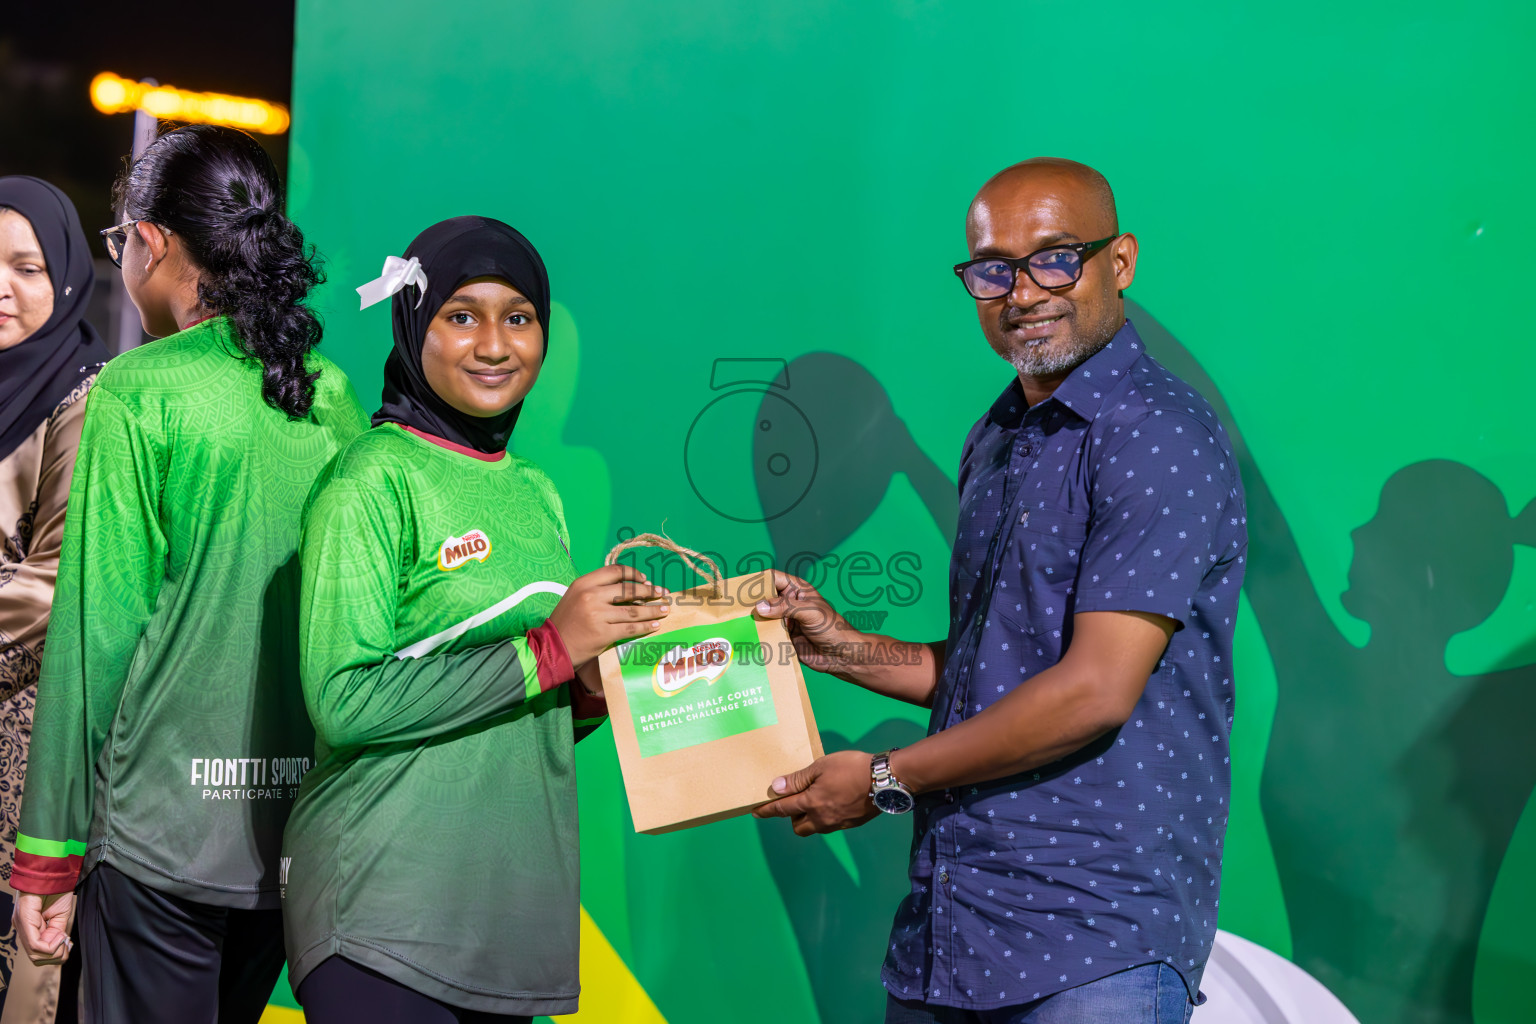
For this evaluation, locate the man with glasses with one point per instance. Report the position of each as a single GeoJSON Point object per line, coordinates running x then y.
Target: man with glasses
{"type": "Point", "coordinates": [1070, 799]}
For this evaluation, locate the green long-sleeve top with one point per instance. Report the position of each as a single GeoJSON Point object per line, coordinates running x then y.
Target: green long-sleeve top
{"type": "Point", "coordinates": [435, 841]}
{"type": "Point", "coordinates": [170, 736]}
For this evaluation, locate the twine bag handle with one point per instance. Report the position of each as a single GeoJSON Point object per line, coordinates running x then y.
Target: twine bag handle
{"type": "Point", "coordinates": [661, 540]}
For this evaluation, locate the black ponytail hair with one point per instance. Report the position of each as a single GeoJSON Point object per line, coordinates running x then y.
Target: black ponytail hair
{"type": "Point", "coordinates": [217, 190]}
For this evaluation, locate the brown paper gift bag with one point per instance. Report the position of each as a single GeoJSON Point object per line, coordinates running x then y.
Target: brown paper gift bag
{"type": "Point", "coordinates": [711, 709]}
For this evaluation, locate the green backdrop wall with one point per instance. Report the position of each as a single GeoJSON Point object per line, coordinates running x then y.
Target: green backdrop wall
{"type": "Point", "coordinates": [749, 212]}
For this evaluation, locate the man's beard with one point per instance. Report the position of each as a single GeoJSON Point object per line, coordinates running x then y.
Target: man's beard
{"type": "Point", "coordinates": [1051, 359]}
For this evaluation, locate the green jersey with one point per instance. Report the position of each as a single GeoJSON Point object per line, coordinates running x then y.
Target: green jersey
{"type": "Point", "coordinates": [435, 841]}
{"type": "Point", "coordinates": [170, 736]}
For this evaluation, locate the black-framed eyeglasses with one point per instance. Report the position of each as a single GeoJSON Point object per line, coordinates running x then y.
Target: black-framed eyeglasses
{"type": "Point", "coordinates": [1055, 266]}
{"type": "Point", "coordinates": [116, 238]}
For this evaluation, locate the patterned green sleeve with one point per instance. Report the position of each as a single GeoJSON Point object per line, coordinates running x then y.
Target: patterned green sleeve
{"type": "Point", "coordinates": [359, 686]}
{"type": "Point", "coordinates": [110, 570]}
{"type": "Point", "coordinates": [587, 712]}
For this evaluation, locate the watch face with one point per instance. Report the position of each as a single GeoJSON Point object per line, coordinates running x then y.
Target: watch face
{"type": "Point", "coordinates": [893, 801]}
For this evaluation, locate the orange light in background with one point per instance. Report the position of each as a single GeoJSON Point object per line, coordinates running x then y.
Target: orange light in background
{"type": "Point", "coordinates": [112, 94]}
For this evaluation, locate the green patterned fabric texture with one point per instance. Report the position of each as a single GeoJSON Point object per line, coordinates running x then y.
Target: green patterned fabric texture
{"type": "Point", "coordinates": [170, 734]}
{"type": "Point", "coordinates": [438, 830]}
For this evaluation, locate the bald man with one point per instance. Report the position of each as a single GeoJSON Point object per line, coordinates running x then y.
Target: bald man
{"type": "Point", "coordinates": [1070, 799]}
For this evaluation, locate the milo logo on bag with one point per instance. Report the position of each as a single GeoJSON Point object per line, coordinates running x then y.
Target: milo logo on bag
{"type": "Point", "coordinates": [706, 660]}
{"type": "Point", "coordinates": [694, 685]}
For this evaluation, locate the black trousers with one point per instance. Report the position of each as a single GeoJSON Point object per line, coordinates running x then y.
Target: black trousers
{"type": "Point", "coordinates": [342, 992]}
{"type": "Point", "coordinates": [157, 959]}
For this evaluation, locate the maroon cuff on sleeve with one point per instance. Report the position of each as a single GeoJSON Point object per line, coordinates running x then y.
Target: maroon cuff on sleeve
{"type": "Point", "coordinates": [549, 653]}
{"type": "Point", "coordinates": [45, 876]}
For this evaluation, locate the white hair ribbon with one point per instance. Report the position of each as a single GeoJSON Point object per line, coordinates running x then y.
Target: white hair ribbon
{"type": "Point", "coordinates": [397, 274]}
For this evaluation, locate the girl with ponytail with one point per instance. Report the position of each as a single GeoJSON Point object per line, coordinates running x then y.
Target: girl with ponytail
{"type": "Point", "coordinates": [207, 200]}
{"type": "Point", "coordinates": [170, 732]}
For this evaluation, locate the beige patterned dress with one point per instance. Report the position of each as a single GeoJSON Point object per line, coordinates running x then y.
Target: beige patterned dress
{"type": "Point", "coordinates": [34, 484]}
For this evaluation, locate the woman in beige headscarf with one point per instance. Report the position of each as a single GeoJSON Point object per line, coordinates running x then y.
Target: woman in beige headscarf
{"type": "Point", "coordinates": [49, 356]}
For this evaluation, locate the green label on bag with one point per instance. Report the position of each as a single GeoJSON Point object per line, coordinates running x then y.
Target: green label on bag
{"type": "Point", "coordinates": [690, 686]}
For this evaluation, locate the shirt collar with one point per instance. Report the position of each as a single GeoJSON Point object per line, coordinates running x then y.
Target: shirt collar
{"type": "Point", "coordinates": [1084, 389]}
{"type": "Point", "coordinates": [443, 442]}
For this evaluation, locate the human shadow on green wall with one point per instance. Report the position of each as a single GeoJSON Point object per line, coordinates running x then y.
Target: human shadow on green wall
{"type": "Point", "coordinates": [1391, 786]}
{"type": "Point", "coordinates": [840, 906]}
{"type": "Point", "coordinates": [861, 445]}
{"type": "Point", "coordinates": [842, 921]}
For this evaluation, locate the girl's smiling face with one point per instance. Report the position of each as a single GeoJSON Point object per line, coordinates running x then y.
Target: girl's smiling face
{"type": "Point", "coordinates": [484, 348]}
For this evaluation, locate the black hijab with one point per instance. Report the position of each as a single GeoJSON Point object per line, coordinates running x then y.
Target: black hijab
{"type": "Point", "coordinates": [39, 373]}
{"type": "Point", "coordinates": [452, 252]}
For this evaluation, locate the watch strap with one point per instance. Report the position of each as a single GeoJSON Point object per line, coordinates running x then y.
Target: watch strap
{"type": "Point", "coordinates": [880, 771]}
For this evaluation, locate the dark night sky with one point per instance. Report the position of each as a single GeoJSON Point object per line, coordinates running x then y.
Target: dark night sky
{"type": "Point", "coordinates": [50, 50]}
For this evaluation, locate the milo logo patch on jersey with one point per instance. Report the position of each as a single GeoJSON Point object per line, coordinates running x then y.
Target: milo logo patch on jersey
{"type": "Point", "coordinates": [474, 546]}
{"type": "Point", "coordinates": [707, 660]}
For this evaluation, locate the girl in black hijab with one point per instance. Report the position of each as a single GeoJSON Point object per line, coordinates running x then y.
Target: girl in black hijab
{"type": "Point", "coordinates": [448, 662]}
{"type": "Point", "coordinates": [49, 356]}
{"type": "Point", "coordinates": [457, 250]}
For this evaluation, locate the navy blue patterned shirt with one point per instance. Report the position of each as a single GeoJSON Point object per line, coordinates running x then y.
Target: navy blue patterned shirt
{"type": "Point", "coordinates": [1117, 493]}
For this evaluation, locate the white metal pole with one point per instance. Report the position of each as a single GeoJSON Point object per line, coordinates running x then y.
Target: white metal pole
{"type": "Point", "coordinates": [129, 329]}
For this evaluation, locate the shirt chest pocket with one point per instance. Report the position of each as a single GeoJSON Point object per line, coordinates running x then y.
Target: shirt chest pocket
{"type": "Point", "coordinates": [1040, 572]}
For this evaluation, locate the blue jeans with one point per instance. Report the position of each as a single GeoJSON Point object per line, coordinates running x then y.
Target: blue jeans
{"type": "Point", "coordinates": [1149, 994]}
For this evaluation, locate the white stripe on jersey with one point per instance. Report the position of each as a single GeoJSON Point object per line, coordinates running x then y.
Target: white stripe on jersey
{"type": "Point", "coordinates": [436, 640]}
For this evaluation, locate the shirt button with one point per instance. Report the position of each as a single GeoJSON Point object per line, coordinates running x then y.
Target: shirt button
{"type": "Point", "coordinates": [949, 796]}
{"type": "Point", "coordinates": [943, 876]}
{"type": "Point", "coordinates": [1024, 519]}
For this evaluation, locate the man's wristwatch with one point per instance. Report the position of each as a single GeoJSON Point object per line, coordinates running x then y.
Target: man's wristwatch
{"type": "Point", "coordinates": [887, 792]}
